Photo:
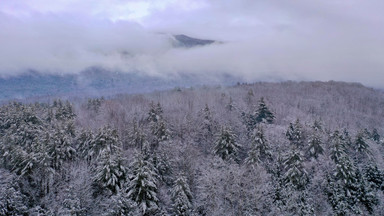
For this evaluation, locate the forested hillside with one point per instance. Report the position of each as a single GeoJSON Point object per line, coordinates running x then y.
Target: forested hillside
{"type": "Point", "coordinates": [308, 148]}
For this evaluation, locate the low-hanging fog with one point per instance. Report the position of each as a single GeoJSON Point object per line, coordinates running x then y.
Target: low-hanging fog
{"type": "Point", "coordinates": [260, 40]}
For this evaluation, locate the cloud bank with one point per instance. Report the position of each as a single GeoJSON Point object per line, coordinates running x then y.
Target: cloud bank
{"type": "Point", "coordinates": [263, 40]}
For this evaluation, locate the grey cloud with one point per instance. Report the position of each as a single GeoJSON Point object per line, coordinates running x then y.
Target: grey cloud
{"type": "Point", "coordinates": [264, 40]}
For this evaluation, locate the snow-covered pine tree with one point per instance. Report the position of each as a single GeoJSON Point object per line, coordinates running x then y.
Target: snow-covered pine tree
{"type": "Point", "coordinates": [206, 128]}
{"type": "Point", "coordinates": [351, 184]}
{"type": "Point", "coordinates": [295, 134]}
{"type": "Point", "coordinates": [363, 191]}
{"type": "Point", "coordinates": [346, 138]}
{"type": "Point", "coordinates": [317, 126]}
{"type": "Point", "coordinates": [60, 148]}
{"type": "Point", "coordinates": [295, 173]}
{"type": "Point", "coordinates": [155, 112]}
{"type": "Point", "coordinates": [315, 143]}
{"type": "Point", "coordinates": [263, 114]}
{"type": "Point", "coordinates": [85, 142]}
{"type": "Point", "coordinates": [376, 136]}
{"type": "Point", "coordinates": [374, 175]}
{"type": "Point", "coordinates": [64, 112]}
{"type": "Point", "coordinates": [163, 167]}
{"type": "Point", "coordinates": [338, 149]}
{"type": "Point", "coordinates": [260, 149]}
{"type": "Point", "coordinates": [106, 140]}
{"type": "Point", "coordinates": [366, 133]}
{"type": "Point", "coordinates": [110, 172]}
{"type": "Point", "coordinates": [279, 193]}
{"type": "Point", "coordinates": [181, 197]}
{"type": "Point", "coordinates": [337, 198]}
{"type": "Point", "coordinates": [94, 104]}
{"type": "Point", "coordinates": [226, 146]}
{"type": "Point", "coordinates": [361, 144]}
{"type": "Point", "coordinates": [253, 158]}
{"type": "Point", "coordinates": [345, 170]}
{"type": "Point", "coordinates": [160, 131]}
{"type": "Point", "coordinates": [142, 187]}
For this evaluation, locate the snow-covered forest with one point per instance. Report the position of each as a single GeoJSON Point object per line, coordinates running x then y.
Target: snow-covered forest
{"type": "Point", "coordinates": [308, 148]}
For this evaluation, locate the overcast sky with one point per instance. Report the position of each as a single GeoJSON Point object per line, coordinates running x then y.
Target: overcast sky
{"type": "Point", "coordinates": [263, 40]}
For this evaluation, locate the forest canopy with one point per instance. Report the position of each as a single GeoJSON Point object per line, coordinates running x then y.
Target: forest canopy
{"type": "Point", "coordinates": [308, 148]}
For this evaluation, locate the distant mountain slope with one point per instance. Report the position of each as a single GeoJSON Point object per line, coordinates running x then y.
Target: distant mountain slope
{"type": "Point", "coordinates": [97, 82]}
{"type": "Point", "coordinates": [186, 41]}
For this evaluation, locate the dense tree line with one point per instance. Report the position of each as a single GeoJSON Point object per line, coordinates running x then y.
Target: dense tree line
{"type": "Point", "coordinates": [260, 149]}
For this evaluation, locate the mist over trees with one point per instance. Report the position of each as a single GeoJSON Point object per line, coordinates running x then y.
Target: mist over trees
{"type": "Point", "coordinates": [308, 148]}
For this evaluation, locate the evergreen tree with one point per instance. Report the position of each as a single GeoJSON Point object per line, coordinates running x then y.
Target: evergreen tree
{"type": "Point", "coordinates": [337, 199]}
{"type": "Point", "coordinates": [160, 132]}
{"type": "Point", "coordinates": [181, 197]}
{"type": "Point", "coordinates": [253, 158]}
{"type": "Point", "coordinates": [346, 138]}
{"type": "Point", "coordinates": [367, 134]}
{"type": "Point", "coordinates": [351, 185]}
{"type": "Point", "coordinates": [110, 172]}
{"type": "Point", "coordinates": [315, 145]}
{"type": "Point", "coordinates": [374, 176]}
{"type": "Point", "coordinates": [94, 104]}
{"type": "Point", "coordinates": [86, 145]}
{"type": "Point", "coordinates": [361, 144]}
{"type": "Point", "coordinates": [206, 128]}
{"type": "Point", "coordinates": [295, 134]}
{"type": "Point", "coordinates": [295, 173]}
{"type": "Point", "coordinates": [60, 148]}
{"type": "Point", "coordinates": [260, 149]}
{"type": "Point", "coordinates": [226, 146]}
{"type": "Point", "coordinates": [363, 191]}
{"type": "Point", "coordinates": [155, 113]}
{"type": "Point", "coordinates": [105, 141]}
{"type": "Point", "coordinates": [317, 126]}
{"type": "Point", "coordinates": [338, 149]}
{"type": "Point", "coordinates": [263, 114]}
{"type": "Point", "coordinates": [64, 112]}
{"type": "Point", "coordinates": [163, 166]}
{"type": "Point", "coordinates": [207, 125]}
{"type": "Point", "coordinates": [279, 194]}
{"type": "Point", "coordinates": [375, 135]}
{"type": "Point", "coordinates": [142, 187]}
{"type": "Point", "coordinates": [345, 170]}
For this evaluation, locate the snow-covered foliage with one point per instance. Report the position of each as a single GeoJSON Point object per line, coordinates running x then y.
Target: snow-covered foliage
{"type": "Point", "coordinates": [309, 148]}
